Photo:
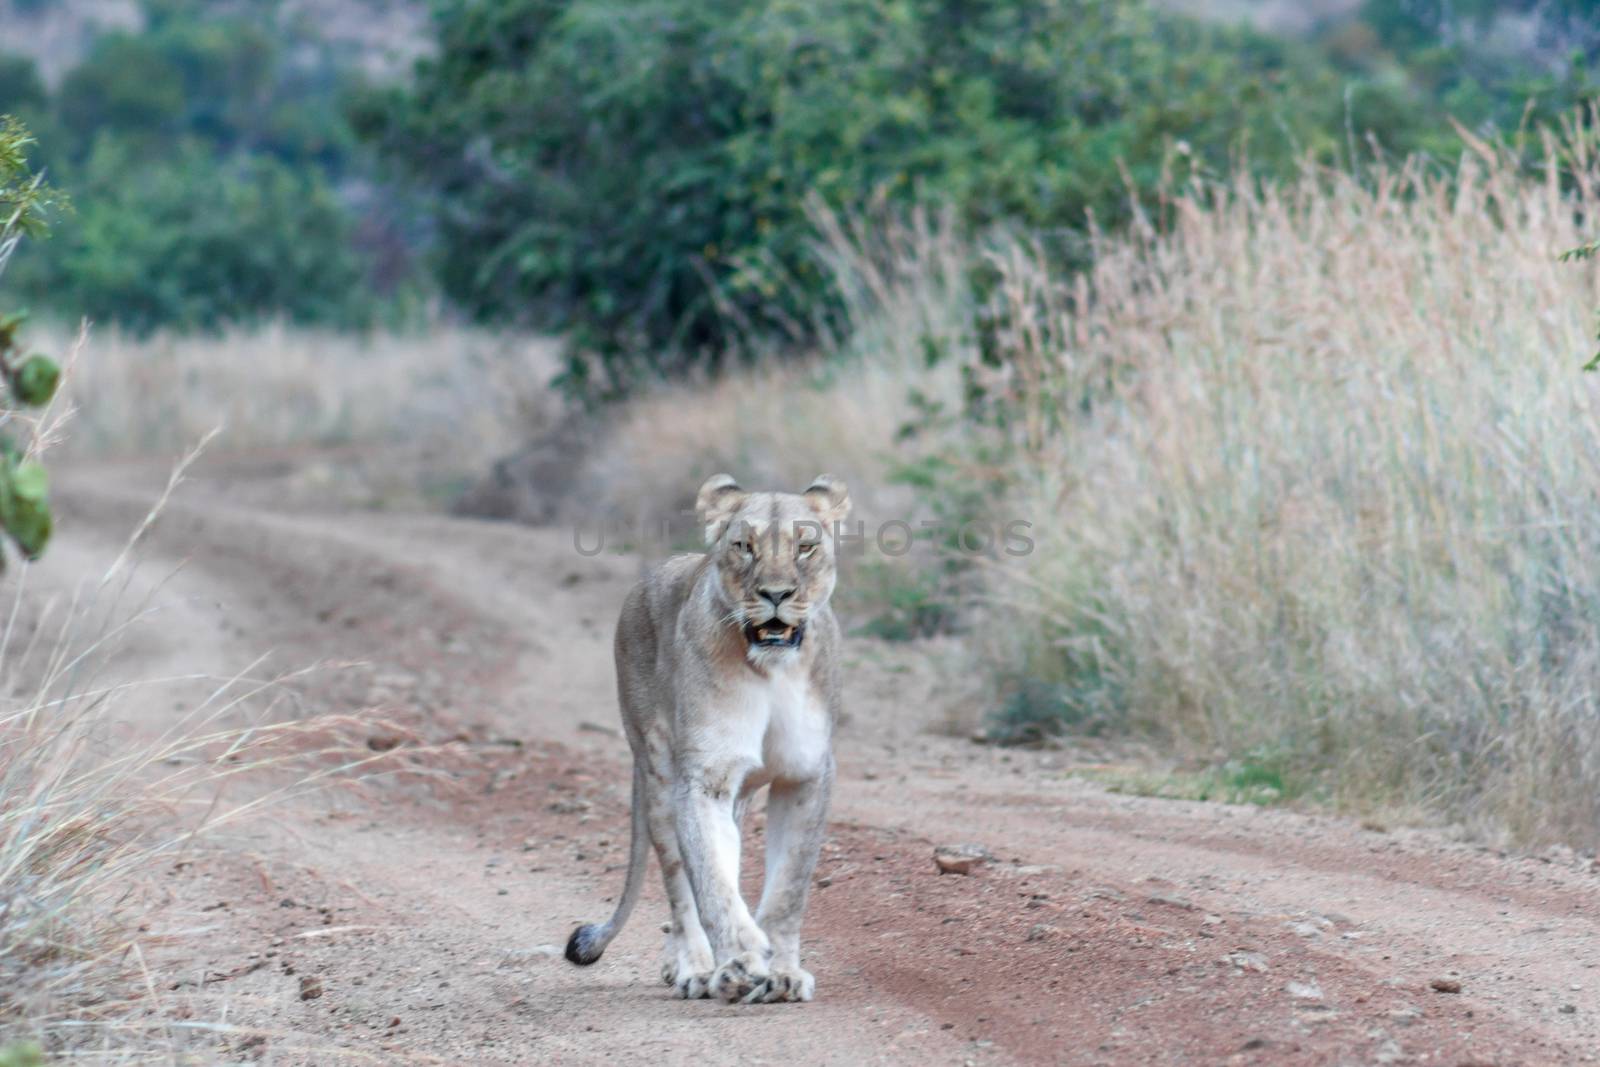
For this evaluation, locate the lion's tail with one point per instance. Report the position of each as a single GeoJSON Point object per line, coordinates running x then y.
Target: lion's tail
{"type": "Point", "coordinates": [589, 941]}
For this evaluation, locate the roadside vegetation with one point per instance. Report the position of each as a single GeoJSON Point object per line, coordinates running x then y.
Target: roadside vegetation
{"type": "Point", "coordinates": [635, 176]}
{"type": "Point", "coordinates": [29, 379]}
{"type": "Point", "coordinates": [94, 809]}
{"type": "Point", "coordinates": [89, 802]}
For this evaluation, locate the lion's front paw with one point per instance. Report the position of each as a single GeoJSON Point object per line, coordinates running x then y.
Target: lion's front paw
{"type": "Point", "coordinates": [692, 985]}
{"type": "Point", "coordinates": [783, 984]}
{"type": "Point", "coordinates": [687, 970]}
{"type": "Point", "coordinates": [748, 979]}
{"type": "Point", "coordinates": [735, 979]}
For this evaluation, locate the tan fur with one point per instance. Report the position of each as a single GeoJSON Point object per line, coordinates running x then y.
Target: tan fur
{"type": "Point", "coordinates": [717, 702]}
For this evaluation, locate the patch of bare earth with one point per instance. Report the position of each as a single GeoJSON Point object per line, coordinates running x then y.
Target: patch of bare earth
{"type": "Point", "coordinates": [419, 917]}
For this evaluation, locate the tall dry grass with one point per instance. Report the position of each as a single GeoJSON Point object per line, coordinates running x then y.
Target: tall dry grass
{"type": "Point", "coordinates": [775, 427]}
{"type": "Point", "coordinates": [1316, 480]}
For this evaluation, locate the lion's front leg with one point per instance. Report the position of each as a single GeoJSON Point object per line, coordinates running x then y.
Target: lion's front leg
{"type": "Point", "coordinates": [797, 815]}
{"type": "Point", "coordinates": [709, 839]}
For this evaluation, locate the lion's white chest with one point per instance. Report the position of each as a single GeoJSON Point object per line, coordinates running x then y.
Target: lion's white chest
{"type": "Point", "coordinates": [780, 728]}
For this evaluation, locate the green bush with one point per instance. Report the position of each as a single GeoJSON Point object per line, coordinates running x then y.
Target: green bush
{"type": "Point", "coordinates": [229, 79]}
{"type": "Point", "coordinates": [639, 171]}
{"type": "Point", "coordinates": [899, 601]}
{"type": "Point", "coordinates": [1415, 65]}
{"type": "Point", "coordinates": [125, 85]}
{"type": "Point", "coordinates": [20, 85]}
{"type": "Point", "coordinates": [193, 242]}
{"type": "Point", "coordinates": [216, 176]}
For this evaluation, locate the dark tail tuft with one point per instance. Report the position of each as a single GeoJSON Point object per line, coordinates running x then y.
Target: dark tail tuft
{"type": "Point", "coordinates": [581, 947]}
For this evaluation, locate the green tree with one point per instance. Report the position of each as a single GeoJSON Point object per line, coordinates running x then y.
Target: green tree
{"type": "Point", "coordinates": [218, 179]}
{"type": "Point", "coordinates": [637, 171]}
{"type": "Point", "coordinates": [231, 79]}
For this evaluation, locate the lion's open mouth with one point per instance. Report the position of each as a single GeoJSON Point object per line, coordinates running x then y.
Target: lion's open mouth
{"type": "Point", "coordinates": [774, 633]}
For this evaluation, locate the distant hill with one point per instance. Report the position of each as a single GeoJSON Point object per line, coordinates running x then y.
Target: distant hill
{"type": "Point", "coordinates": [1279, 16]}
{"type": "Point", "coordinates": [55, 33]}
{"type": "Point", "coordinates": [388, 34]}
{"type": "Point", "coordinates": [384, 36]}
{"type": "Point", "coordinates": [1542, 33]}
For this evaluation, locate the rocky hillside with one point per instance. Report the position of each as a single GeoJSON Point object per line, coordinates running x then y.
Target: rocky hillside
{"type": "Point", "coordinates": [383, 35]}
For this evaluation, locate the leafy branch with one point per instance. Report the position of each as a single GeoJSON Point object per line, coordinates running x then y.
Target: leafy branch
{"type": "Point", "coordinates": [30, 380]}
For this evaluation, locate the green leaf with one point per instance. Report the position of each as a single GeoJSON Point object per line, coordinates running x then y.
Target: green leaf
{"type": "Point", "coordinates": [22, 1054]}
{"type": "Point", "coordinates": [9, 325]}
{"type": "Point", "coordinates": [30, 525]}
{"type": "Point", "coordinates": [34, 383]}
{"type": "Point", "coordinates": [24, 509]}
{"type": "Point", "coordinates": [30, 482]}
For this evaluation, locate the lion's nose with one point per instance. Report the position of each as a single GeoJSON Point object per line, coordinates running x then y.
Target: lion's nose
{"type": "Point", "coordinates": [776, 596]}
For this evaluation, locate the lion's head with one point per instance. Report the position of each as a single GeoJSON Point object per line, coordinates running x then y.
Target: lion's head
{"type": "Point", "coordinates": [774, 554]}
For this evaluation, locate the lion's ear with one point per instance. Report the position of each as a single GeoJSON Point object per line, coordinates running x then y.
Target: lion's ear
{"type": "Point", "coordinates": [719, 501]}
{"type": "Point", "coordinates": [829, 497]}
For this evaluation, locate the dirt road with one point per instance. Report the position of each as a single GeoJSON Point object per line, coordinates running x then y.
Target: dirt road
{"type": "Point", "coordinates": [418, 919]}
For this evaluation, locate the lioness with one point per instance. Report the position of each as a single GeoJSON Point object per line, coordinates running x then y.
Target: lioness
{"type": "Point", "coordinates": [728, 677]}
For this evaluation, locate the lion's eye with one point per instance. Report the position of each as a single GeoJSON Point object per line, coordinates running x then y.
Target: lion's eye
{"type": "Point", "coordinates": [805, 548]}
{"type": "Point", "coordinates": [743, 548]}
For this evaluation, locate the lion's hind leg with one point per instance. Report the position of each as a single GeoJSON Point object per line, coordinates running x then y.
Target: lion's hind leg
{"type": "Point", "coordinates": [686, 960]}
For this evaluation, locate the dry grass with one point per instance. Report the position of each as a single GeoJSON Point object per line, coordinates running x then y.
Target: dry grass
{"type": "Point", "coordinates": [92, 799]}
{"type": "Point", "coordinates": [773, 428]}
{"type": "Point", "coordinates": [1314, 474]}
{"type": "Point", "coordinates": [440, 403]}
{"type": "Point", "coordinates": [282, 386]}
{"type": "Point", "coordinates": [780, 424]}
